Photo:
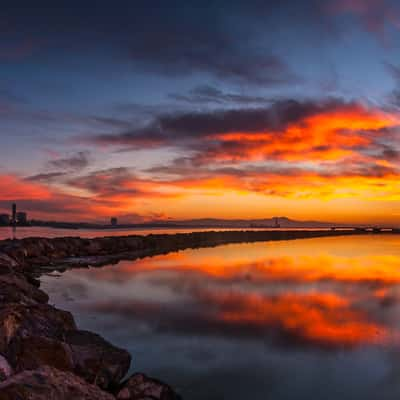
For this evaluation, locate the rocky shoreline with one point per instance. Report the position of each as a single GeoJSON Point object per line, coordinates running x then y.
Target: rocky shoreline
{"type": "Point", "coordinates": [43, 354]}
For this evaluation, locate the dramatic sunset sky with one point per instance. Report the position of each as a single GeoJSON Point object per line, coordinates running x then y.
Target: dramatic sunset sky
{"type": "Point", "coordinates": [188, 109]}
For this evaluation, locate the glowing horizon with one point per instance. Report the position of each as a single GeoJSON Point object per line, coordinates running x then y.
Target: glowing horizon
{"type": "Point", "coordinates": [285, 172]}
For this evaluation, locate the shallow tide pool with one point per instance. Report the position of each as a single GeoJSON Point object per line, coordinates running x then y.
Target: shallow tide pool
{"type": "Point", "coordinates": [304, 319]}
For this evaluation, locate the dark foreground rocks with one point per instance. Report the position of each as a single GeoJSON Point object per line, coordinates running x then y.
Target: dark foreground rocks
{"type": "Point", "coordinates": [50, 384]}
{"type": "Point", "coordinates": [5, 369]}
{"type": "Point", "coordinates": [44, 356]}
{"type": "Point", "coordinates": [96, 360]}
{"type": "Point", "coordinates": [141, 387]}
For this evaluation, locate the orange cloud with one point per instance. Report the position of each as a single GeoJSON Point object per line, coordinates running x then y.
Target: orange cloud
{"type": "Point", "coordinates": [313, 153]}
{"type": "Point", "coordinates": [331, 135]}
{"type": "Point", "coordinates": [13, 188]}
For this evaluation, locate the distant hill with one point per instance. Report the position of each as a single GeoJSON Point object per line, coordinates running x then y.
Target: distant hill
{"type": "Point", "coordinates": [283, 222]}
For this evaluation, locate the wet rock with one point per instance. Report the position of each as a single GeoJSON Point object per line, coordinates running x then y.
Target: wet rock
{"type": "Point", "coordinates": [92, 247]}
{"type": "Point", "coordinates": [36, 247]}
{"type": "Point", "coordinates": [36, 351]}
{"type": "Point", "coordinates": [40, 260]}
{"type": "Point", "coordinates": [48, 383]}
{"type": "Point", "coordinates": [141, 387]}
{"type": "Point", "coordinates": [7, 262]}
{"type": "Point", "coordinates": [11, 294]}
{"type": "Point", "coordinates": [20, 321]}
{"type": "Point", "coordinates": [16, 252]}
{"type": "Point", "coordinates": [32, 280]}
{"type": "Point", "coordinates": [5, 369]}
{"type": "Point", "coordinates": [96, 360]}
{"type": "Point", "coordinates": [16, 286]}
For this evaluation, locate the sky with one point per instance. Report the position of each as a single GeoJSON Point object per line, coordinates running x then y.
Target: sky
{"type": "Point", "coordinates": [149, 110]}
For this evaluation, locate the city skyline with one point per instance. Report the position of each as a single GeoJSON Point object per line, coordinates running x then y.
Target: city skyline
{"type": "Point", "coordinates": [185, 110]}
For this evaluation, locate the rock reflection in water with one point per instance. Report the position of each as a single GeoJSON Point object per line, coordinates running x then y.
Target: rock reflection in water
{"type": "Point", "coordinates": [304, 319]}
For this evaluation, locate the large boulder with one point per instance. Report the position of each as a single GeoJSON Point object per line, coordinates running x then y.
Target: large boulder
{"type": "Point", "coordinates": [37, 247]}
{"type": "Point", "coordinates": [142, 387]}
{"type": "Point", "coordinates": [48, 383]}
{"type": "Point", "coordinates": [20, 321]}
{"type": "Point", "coordinates": [6, 262]}
{"type": "Point", "coordinates": [15, 288]}
{"type": "Point", "coordinates": [36, 351]}
{"type": "Point", "coordinates": [5, 369]}
{"type": "Point", "coordinates": [92, 248]}
{"type": "Point", "coordinates": [15, 251]}
{"type": "Point", "coordinates": [96, 360]}
{"type": "Point", "coordinates": [11, 294]}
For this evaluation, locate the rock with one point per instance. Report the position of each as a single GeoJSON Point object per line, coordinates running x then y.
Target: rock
{"type": "Point", "coordinates": [5, 369]}
{"type": "Point", "coordinates": [16, 285]}
{"type": "Point", "coordinates": [40, 260]}
{"type": "Point", "coordinates": [96, 360]}
{"type": "Point", "coordinates": [92, 248]}
{"type": "Point", "coordinates": [16, 252]}
{"type": "Point", "coordinates": [35, 351]}
{"type": "Point", "coordinates": [10, 294]}
{"type": "Point", "coordinates": [141, 387]}
{"type": "Point", "coordinates": [48, 383]}
{"type": "Point", "coordinates": [7, 261]}
{"type": "Point", "coordinates": [20, 321]}
{"type": "Point", "coordinates": [36, 247]}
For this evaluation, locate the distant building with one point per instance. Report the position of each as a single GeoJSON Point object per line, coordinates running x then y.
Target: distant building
{"type": "Point", "coordinates": [14, 213]}
{"type": "Point", "coordinates": [22, 218]}
{"type": "Point", "coordinates": [114, 221]}
{"type": "Point", "coordinates": [4, 219]}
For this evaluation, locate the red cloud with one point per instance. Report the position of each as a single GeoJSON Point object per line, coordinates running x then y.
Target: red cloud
{"type": "Point", "coordinates": [13, 188]}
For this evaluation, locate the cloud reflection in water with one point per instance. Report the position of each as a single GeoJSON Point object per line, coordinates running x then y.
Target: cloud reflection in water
{"type": "Point", "coordinates": [251, 312]}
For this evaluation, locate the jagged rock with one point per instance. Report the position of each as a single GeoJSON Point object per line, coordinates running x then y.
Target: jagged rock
{"type": "Point", "coordinates": [15, 251]}
{"type": "Point", "coordinates": [96, 360]}
{"type": "Point", "coordinates": [36, 351]}
{"type": "Point", "coordinates": [5, 369]}
{"type": "Point", "coordinates": [92, 247]}
{"type": "Point", "coordinates": [20, 321]}
{"type": "Point", "coordinates": [141, 387]}
{"type": "Point", "coordinates": [48, 383]}
{"type": "Point", "coordinates": [15, 288]}
{"type": "Point", "coordinates": [36, 247]}
{"type": "Point", "coordinates": [11, 294]}
{"type": "Point", "coordinates": [40, 260]}
{"type": "Point", "coordinates": [7, 262]}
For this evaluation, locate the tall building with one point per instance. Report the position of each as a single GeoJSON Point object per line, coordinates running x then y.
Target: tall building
{"type": "Point", "coordinates": [14, 213]}
{"type": "Point", "coordinates": [114, 221]}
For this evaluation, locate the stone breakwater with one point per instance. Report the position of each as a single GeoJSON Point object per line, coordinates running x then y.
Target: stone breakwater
{"type": "Point", "coordinates": [43, 354]}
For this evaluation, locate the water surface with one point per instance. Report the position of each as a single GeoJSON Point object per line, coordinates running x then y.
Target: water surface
{"type": "Point", "coordinates": [304, 319]}
{"type": "Point", "coordinates": [38, 231]}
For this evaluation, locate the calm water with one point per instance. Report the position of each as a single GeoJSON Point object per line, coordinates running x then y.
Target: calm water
{"type": "Point", "coordinates": [24, 232]}
{"type": "Point", "coordinates": [36, 231]}
{"type": "Point", "coordinates": [305, 319]}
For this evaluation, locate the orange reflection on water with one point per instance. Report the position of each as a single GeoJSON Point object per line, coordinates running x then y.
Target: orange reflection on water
{"type": "Point", "coordinates": [342, 296]}
{"type": "Point", "coordinates": [377, 269]}
{"type": "Point", "coordinates": [322, 318]}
